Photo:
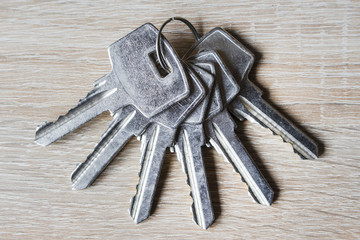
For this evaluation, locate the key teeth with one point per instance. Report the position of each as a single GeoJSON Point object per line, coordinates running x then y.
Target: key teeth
{"type": "Point", "coordinates": [308, 150]}
{"type": "Point", "coordinates": [39, 127]}
{"type": "Point", "coordinates": [193, 211]}
{"type": "Point", "coordinates": [194, 218]}
{"type": "Point", "coordinates": [314, 154]}
{"type": "Point", "coordinates": [132, 200]}
{"type": "Point", "coordinates": [192, 207]}
{"type": "Point", "coordinates": [269, 197]}
{"type": "Point", "coordinates": [93, 92]}
{"type": "Point", "coordinates": [39, 139]}
{"type": "Point", "coordinates": [251, 194]}
{"type": "Point", "coordinates": [242, 179]}
{"type": "Point", "coordinates": [141, 217]}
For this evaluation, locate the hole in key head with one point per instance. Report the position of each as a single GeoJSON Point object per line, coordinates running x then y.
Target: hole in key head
{"type": "Point", "coordinates": [159, 43]}
{"type": "Point", "coordinates": [155, 60]}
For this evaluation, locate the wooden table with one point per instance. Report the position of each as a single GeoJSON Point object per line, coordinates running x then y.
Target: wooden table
{"type": "Point", "coordinates": [307, 64]}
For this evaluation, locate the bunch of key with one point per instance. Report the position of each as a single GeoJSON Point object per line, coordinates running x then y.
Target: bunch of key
{"type": "Point", "coordinates": [181, 104]}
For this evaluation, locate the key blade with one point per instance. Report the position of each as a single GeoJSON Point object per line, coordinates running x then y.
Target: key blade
{"type": "Point", "coordinates": [112, 141]}
{"type": "Point", "coordinates": [87, 109]}
{"type": "Point", "coordinates": [159, 139]}
{"type": "Point", "coordinates": [220, 130]}
{"type": "Point", "coordinates": [188, 150]}
{"type": "Point", "coordinates": [239, 60]}
{"type": "Point", "coordinates": [251, 106]}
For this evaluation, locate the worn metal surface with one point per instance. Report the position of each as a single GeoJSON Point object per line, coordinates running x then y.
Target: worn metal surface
{"type": "Point", "coordinates": [206, 76]}
{"type": "Point", "coordinates": [134, 80]}
{"type": "Point", "coordinates": [227, 86]}
{"type": "Point", "coordinates": [189, 140]}
{"type": "Point", "coordinates": [131, 122]}
{"type": "Point", "coordinates": [307, 63]}
{"type": "Point", "coordinates": [249, 104]}
{"type": "Point", "coordinates": [220, 131]}
{"type": "Point", "coordinates": [188, 151]}
{"type": "Point", "coordinates": [160, 136]}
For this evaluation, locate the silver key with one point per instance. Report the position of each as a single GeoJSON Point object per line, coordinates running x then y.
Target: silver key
{"type": "Point", "coordinates": [130, 122]}
{"type": "Point", "coordinates": [220, 130]}
{"type": "Point", "coordinates": [249, 103]}
{"type": "Point", "coordinates": [134, 80]}
{"type": "Point", "coordinates": [188, 151]}
{"type": "Point", "coordinates": [155, 140]}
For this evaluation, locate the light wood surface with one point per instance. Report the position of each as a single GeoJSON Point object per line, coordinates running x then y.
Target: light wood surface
{"type": "Point", "coordinates": [307, 64]}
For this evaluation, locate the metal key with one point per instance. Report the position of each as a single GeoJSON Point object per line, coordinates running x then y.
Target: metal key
{"type": "Point", "coordinates": [191, 138]}
{"type": "Point", "coordinates": [188, 151]}
{"type": "Point", "coordinates": [134, 80]}
{"type": "Point", "coordinates": [155, 140]}
{"type": "Point", "coordinates": [220, 130]}
{"type": "Point", "coordinates": [129, 122]}
{"type": "Point", "coordinates": [249, 103]}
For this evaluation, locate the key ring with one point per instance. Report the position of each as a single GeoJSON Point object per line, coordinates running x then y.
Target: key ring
{"type": "Point", "coordinates": [159, 50]}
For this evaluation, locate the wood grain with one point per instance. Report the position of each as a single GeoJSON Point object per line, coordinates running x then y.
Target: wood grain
{"type": "Point", "coordinates": [307, 63]}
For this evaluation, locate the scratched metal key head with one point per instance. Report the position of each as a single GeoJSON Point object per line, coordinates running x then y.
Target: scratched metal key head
{"type": "Point", "coordinates": [128, 122]}
{"type": "Point", "coordinates": [215, 102]}
{"type": "Point", "coordinates": [134, 62]}
{"type": "Point", "coordinates": [207, 76]}
{"type": "Point", "coordinates": [220, 130]}
{"type": "Point", "coordinates": [188, 150]}
{"type": "Point", "coordinates": [157, 137]}
{"type": "Point", "coordinates": [249, 104]}
{"type": "Point", "coordinates": [229, 88]}
{"type": "Point", "coordinates": [135, 80]}
{"type": "Point", "coordinates": [228, 48]}
{"type": "Point", "coordinates": [173, 116]}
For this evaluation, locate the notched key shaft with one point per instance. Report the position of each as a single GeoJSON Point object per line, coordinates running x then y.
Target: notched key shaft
{"type": "Point", "coordinates": [87, 109]}
{"type": "Point", "coordinates": [134, 80]}
{"type": "Point", "coordinates": [151, 162]}
{"type": "Point", "coordinates": [249, 104]}
{"type": "Point", "coordinates": [189, 153]}
{"type": "Point", "coordinates": [113, 140]}
{"type": "Point", "coordinates": [156, 139]}
{"type": "Point", "coordinates": [222, 136]}
{"type": "Point", "coordinates": [188, 149]}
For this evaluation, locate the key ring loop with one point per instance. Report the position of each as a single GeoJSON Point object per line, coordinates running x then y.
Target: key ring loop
{"type": "Point", "coordinates": [159, 49]}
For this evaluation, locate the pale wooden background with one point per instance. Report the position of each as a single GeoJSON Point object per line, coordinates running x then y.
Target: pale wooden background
{"type": "Point", "coordinates": [308, 59]}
